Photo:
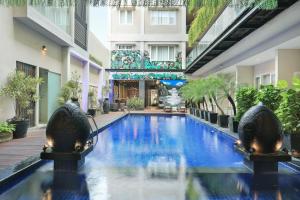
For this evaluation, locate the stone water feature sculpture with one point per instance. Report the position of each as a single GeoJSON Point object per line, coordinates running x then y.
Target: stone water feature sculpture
{"type": "Point", "coordinates": [260, 141]}
{"type": "Point", "coordinates": [68, 132]}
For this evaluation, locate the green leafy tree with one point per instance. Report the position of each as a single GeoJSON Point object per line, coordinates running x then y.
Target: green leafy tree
{"type": "Point", "coordinates": [288, 111]}
{"type": "Point", "coordinates": [245, 98]}
{"type": "Point", "coordinates": [270, 96]}
{"type": "Point", "coordinates": [23, 89]}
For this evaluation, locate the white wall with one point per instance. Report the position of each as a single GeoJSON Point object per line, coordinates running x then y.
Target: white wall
{"type": "Point", "coordinates": [287, 63]}
{"type": "Point", "coordinates": [20, 43]}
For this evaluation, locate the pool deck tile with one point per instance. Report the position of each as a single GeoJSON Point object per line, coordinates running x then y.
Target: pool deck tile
{"type": "Point", "coordinates": [17, 151]}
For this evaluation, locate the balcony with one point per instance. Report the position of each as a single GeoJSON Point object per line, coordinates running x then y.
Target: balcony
{"type": "Point", "coordinates": [231, 26]}
{"type": "Point", "coordinates": [135, 60]}
{"type": "Point", "coordinates": [52, 22]}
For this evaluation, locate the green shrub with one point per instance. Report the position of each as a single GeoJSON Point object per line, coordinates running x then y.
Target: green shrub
{"type": "Point", "coordinates": [270, 96]}
{"type": "Point", "coordinates": [245, 98]}
{"type": "Point", "coordinates": [289, 111]}
{"type": "Point", "coordinates": [6, 127]}
{"type": "Point", "coordinates": [22, 89]}
{"type": "Point", "coordinates": [135, 103]}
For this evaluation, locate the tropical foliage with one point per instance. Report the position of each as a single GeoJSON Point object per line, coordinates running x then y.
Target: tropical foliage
{"type": "Point", "coordinates": [148, 76]}
{"type": "Point", "coordinates": [270, 96]}
{"type": "Point", "coordinates": [212, 89]}
{"type": "Point", "coordinates": [288, 111]}
{"type": "Point", "coordinates": [6, 127]}
{"type": "Point", "coordinates": [135, 103]}
{"type": "Point", "coordinates": [92, 97]}
{"type": "Point", "coordinates": [133, 59]}
{"type": "Point", "coordinates": [245, 98]}
{"type": "Point", "coordinates": [70, 89]}
{"type": "Point", "coordinates": [206, 12]}
{"type": "Point", "coordinates": [23, 89]}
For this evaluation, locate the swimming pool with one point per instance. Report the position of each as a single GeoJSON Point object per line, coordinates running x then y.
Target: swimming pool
{"type": "Point", "coordinates": [156, 157]}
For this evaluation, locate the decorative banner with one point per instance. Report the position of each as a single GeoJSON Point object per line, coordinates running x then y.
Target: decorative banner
{"type": "Point", "coordinates": [146, 76]}
{"type": "Point", "coordinates": [133, 59]}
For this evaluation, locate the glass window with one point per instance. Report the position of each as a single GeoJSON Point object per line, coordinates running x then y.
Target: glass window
{"type": "Point", "coordinates": [125, 47]}
{"type": "Point", "coordinates": [126, 17]}
{"type": "Point", "coordinates": [162, 53]}
{"type": "Point", "coordinates": [266, 79]}
{"type": "Point", "coordinates": [273, 79]}
{"type": "Point", "coordinates": [257, 82]}
{"type": "Point", "coordinates": [163, 17]}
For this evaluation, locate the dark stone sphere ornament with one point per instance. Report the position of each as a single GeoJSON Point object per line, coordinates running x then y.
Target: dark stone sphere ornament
{"type": "Point", "coordinates": [260, 130]}
{"type": "Point", "coordinates": [68, 129]}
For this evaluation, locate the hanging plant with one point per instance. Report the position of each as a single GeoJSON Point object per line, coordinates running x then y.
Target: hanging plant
{"type": "Point", "coordinates": [208, 10]}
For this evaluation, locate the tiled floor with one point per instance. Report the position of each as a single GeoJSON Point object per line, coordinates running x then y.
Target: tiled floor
{"type": "Point", "coordinates": [21, 150]}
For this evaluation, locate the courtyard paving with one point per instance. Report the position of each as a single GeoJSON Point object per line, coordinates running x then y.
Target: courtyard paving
{"type": "Point", "coordinates": [18, 152]}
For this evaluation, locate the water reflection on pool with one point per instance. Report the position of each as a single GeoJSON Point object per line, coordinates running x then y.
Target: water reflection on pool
{"type": "Point", "coordinates": [157, 157]}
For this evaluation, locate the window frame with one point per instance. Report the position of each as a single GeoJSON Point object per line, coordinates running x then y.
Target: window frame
{"type": "Point", "coordinates": [127, 45]}
{"type": "Point", "coordinates": [156, 52]}
{"type": "Point", "coordinates": [159, 17]}
{"type": "Point", "coordinates": [126, 17]}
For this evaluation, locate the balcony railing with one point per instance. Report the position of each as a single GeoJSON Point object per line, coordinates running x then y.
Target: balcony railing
{"type": "Point", "coordinates": [135, 59]}
{"type": "Point", "coordinates": [60, 16]}
{"type": "Point", "coordinates": [227, 17]}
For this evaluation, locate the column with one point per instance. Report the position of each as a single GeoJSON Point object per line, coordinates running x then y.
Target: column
{"type": "Point", "coordinates": [85, 85]}
{"type": "Point", "coordinates": [142, 90]}
{"type": "Point", "coordinates": [101, 83]}
{"type": "Point", "coordinates": [66, 68]}
{"type": "Point", "coordinates": [287, 64]}
{"type": "Point", "coordinates": [183, 54]}
{"type": "Point", "coordinates": [111, 91]}
{"type": "Point", "coordinates": [244, 75]}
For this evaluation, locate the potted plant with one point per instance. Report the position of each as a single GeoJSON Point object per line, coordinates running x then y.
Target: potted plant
{"type": "Point", "coordinates": [227, 88]}
{"type": "Point", "coordinates": [289, 115]}
{"type": "Point", "coordinates": [211, 87]}
{"type": "Point", "coordinates": [245, 98]}
{"type": "Point", "coordinates": [92, 102]}
{"type": "Point", "coordinates": [105, 92]}
{"type": "Point", "coordinates": [135, 103]}
{"type": "Point", "coordinates": [6, 131]}
{"type": "Point", "coordinates": [22, 89]}
{"type": "Point", "coordinates": [70, 90]}
{"type": "Point", "coordinates": [270, 96]}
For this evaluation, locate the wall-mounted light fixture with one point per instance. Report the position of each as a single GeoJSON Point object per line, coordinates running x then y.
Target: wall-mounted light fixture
{"type": "Point", "coordinates": [44, 50]}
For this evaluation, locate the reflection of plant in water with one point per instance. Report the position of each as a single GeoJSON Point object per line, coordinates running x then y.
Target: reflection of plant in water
{"type": "Point", "coordinates": [191, 191]}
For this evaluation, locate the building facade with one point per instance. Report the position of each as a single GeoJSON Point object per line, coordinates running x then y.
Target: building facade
{"type": "Point", "coordinates": [147, 45]}
{"type": "Point", "coordinates": [257, 46]}
{"type": "Point", "coordinates": [50, 42]}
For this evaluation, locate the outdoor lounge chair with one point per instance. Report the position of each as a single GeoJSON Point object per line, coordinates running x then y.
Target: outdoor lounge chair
{"type": "Point", "coordinates": [167, 108]}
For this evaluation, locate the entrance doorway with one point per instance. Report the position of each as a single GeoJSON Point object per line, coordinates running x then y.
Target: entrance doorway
{"type": "Point", "coordinates": [49, 93]}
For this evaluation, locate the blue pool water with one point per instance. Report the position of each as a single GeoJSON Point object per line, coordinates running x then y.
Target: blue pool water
{"type": "Point", "coordinates": [158, 157]}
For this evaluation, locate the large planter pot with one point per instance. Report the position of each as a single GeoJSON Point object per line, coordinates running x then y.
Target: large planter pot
{"type": "Point", "coordinates": [206, 114]}
{"type": "Point", "coordinates": [233, 125]}
{"type": "Point", "coordinates": [223, 120]}
{"type": "Point", "coordinates": [197, 112]}
{"type": "Point", "coordinates": [191, 111]}
{"type": "Point", "coordinates": [295, 142]}
{"type": "Point", "coordinates": [213, 117]}
{"type": "Point", "coordinates": [92, 111]}
{"type": "Point", "coordinates": [21, 127]}
{"type": "Point", "coordinates": [105, 106]}
{"type": "Point", "coordinates": [202, 114]}
{"type": "Point", "coordinates": [5, 137]}
{"type": "Point", "coordinates": [114, 107]}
